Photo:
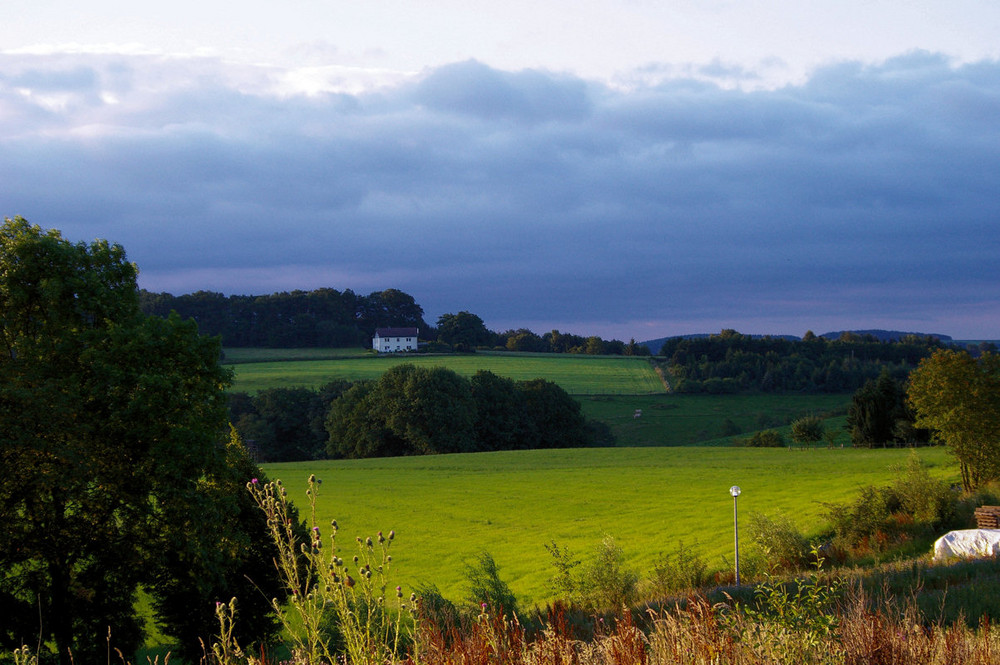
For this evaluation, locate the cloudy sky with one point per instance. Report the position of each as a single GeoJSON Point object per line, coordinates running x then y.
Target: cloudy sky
{"type": "Point", "coordinates": [624, 168]}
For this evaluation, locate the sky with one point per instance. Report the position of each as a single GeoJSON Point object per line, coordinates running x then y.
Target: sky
{"type": "Point", "coordinates": [628, 169]}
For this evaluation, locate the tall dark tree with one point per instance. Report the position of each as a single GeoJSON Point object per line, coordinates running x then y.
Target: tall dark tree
{"type": "Point", "coordinates": [874, 410]}
{"type": "Point", "coordinates": [225, 553]}
{"type": "Point", "coordinates": [502, 421]}
{"type": "Point", "coordinates": [356, 427]}
{"type": "Point", "coordinates": [431, 408]}
{"type": "Point", "coordinates": [557, 418]}
{"type": "Point", "coordinates": [463, 331]}
{"type": "Point", "coordinates": [110, 419]}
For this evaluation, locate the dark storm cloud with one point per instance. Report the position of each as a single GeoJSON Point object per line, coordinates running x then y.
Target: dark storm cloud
{"type": "Point", "coordinates": [867, 195]}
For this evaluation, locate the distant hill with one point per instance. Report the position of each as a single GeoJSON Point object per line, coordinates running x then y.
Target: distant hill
{"type": "Point", "coordinates": [886, 335]}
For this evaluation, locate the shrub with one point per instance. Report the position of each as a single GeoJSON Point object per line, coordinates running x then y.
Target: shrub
{"type": "Point", "coordinates": [565, 582]}
{"type": "Point", "coordinates": [682, 570]}
{"type": "Point", "coordinates": [928, 501]}
{"type": "Point", "coordinates": [780, 543]}
{"type": "Point", "coordinates": [807, 430]}
{"type": "Point", "coordinates": [607, 582]}
{"type": "Point", "coordinates": [865, 524]}
{"type": "Point", "coordinates": [486, 590]}
{"type": "Point", "coordinates": [768, 438]}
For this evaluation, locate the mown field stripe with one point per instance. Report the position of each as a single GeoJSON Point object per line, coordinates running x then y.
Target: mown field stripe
{"type": "Point", "coordinates": [579, 375]}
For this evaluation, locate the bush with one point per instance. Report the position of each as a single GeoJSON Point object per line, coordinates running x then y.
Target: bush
{"type": "Point", "coordinates": [680, 571]}
{"type": "Point", "coordinates": [768, 438]}
{"type": "Point", "coordinates": [928, 501]}
{"type": "Point", "coordinates": [607, 582]}
{"type": "Point", "coordinates": [807, 430]}
{"type": "Point", "coordinates": [486, 590]}
{"type": "Point", "coordinates": [864, 524]}
{"type": "Point", "coordinates": [780, 543]}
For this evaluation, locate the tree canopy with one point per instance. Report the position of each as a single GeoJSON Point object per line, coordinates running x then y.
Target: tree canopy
{"type": "Point", "coordinates": [112, 442]}
{"type": "Point", "coordinates": [414, 410]}
{"type": "Point", "coordinates": [958, 397]}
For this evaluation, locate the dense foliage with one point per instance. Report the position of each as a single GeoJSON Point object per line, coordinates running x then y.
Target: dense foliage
{"type": "Point", "coordinates": [732, 362]}
{"type": "Point", "coordinates": [878, 415]}
{"type": "Point", "coordinates": [115, 472]}
{"type": "Point", "coordinates": [331, 318]}
{"type": "Point", "coordinates": [320, 318]}
{"type": "Point", "coordinates": [958, 397]}
{"type": "Point", "coordinates": [418, 410]}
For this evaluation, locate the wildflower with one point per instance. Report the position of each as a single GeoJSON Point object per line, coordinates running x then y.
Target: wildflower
{"type": "Point", "coordinates": [392, 534]}
{"type": "Point", "coordinates": [253, 481]}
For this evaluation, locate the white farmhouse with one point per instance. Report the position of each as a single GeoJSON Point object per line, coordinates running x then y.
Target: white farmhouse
{"type": "Point", "coordinates": [390, 340]}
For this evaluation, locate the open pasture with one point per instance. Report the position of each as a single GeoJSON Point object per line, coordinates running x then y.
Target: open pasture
{"type": "Point", "coordinates": [579, 375]}
{"type": "Point", "coordinates": [445, 509]}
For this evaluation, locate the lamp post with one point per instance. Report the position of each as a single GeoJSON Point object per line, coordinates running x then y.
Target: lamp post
{"type": "Point", "coordinates": [734, 491]}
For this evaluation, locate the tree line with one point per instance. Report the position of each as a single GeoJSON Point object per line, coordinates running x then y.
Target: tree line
{"type": "Point", "coordinates": [412, 410]}
{"type": "Point", "coordinates": [337, 319]}
{"type": "Point", "coordinates": [731, 362]}
{"type": "Point", "coordinates": [320, 318]}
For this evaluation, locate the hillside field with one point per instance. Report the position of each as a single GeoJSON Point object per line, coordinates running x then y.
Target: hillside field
{"type": "Point", "coordinates": [577, 374]}
{"type": "Point", "coordinates": [445, 509]}
{"type": "Point", "coordinates": [610, 389]}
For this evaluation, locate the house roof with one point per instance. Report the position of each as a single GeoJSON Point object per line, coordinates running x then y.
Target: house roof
{"type": "Point", "coordinates": [395, 332]}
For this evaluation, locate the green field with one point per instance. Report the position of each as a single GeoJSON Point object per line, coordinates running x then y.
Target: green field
{"type": "Point", "coordinates": [610, 390]}
{"type": "Point", "coordinates": [577, 374]}
{"type": "Point", "coordinates": [447, 508]}
{"type": "Point", "coordinates": [684, 420]}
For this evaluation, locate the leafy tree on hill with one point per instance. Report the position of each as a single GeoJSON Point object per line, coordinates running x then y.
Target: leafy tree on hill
{"type": "Point", "coordinates": [557, 418]}
{"type": "Point", "coordinates": [431, 408]}
{"type": "Point", "coordinates": [112, 422]}
{"type": "Point", "coordinates": [875, 412]}
{"type": "Point", "coordinates": [463, 331]}
{"type": "Point", "coordinates": [502, 421]}
{"type": "Point", "coordinates": [414, 410]}
{"type": "Point", "coordinates": [807, 430]}
{"type": "Point", "coordinates": [958, 397]}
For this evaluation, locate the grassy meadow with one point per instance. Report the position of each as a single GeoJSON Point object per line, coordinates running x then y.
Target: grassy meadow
{"type": "Point", "coordinates": [258, 369]}
{"type": "Point", "coordinates": [446, 509]}
{"type": "Point", "coordinates": [684, 420]}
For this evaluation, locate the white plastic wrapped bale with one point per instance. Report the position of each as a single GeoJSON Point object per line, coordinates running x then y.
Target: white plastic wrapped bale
{"type": "Point", "coordinates": [967, 544]}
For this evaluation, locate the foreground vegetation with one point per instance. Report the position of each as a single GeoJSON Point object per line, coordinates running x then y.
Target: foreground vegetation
{"type": "Point", "coordinates": [824, 616]}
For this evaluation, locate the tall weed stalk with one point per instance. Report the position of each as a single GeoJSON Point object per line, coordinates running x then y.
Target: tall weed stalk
{"type": "Point", "coordinates": [335, 606]}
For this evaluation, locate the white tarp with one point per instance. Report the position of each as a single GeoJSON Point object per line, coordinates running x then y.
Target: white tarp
{"type": "Point", "coordinates": [968, 543]}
